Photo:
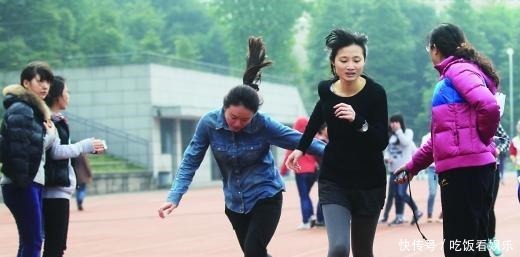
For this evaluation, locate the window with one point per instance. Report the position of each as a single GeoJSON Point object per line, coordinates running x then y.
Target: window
{"type": "Point", "coordinates": [167, 135]}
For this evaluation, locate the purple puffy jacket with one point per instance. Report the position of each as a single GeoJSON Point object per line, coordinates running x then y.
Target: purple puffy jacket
{"type": "Point", "coordinates": [465, 116]}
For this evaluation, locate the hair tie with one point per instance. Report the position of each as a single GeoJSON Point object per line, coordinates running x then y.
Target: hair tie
{"type": "Point", "coordinates": [462, 45]}
{"type": "Point", "coordinates": [254, 86]}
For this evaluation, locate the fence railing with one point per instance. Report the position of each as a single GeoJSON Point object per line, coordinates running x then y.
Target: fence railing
{"type": "Point", "coordinates": [134, 149]}
{"type": "Point", "coordinates": [146, 57]}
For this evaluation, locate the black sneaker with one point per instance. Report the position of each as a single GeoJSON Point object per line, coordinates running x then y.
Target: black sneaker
{"type": "Point", "coordinates": [383, 221]}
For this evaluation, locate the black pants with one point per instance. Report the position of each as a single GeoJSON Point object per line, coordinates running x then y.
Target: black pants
{"type": "Point", "coordinates": [492, 218]}
{"type": "Point", "coordinates": [466, 195]}
{"type": "Point", "coordinates": [255, 229]}
{"type": "Point", "coordinates": [56, 226]}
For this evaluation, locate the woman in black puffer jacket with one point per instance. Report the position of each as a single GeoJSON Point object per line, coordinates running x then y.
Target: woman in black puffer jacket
{"type": "Point", "coordinates": [27, 132]}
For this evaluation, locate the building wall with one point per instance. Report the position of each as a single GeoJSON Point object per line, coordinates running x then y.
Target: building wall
{"type": "Point", "coordinates": [135, 99]}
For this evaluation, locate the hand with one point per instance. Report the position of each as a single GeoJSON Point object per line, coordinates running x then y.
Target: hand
{"type": "Point", "coordinates": [345, 112]}
{"type": "Point", "coordinates": [49, 127]}
{"type": "Point", "coordinates": [292, 160]}
{"type": "Point", "coordinates": [167, 208]}
{"type": "Point", "coordinates": [402, 175]}
{"type": "Point", "coordinates": [99, 146]}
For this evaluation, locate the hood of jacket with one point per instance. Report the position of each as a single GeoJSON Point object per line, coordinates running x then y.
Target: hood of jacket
{"type": "Point", "coordinates": [17, 93]}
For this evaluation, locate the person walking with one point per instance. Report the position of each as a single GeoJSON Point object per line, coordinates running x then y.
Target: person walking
{"type": "Point", "coordinates": [305, 179]}
{"type": "Point", "coordinates": [501, 140]}
{"type": "Point", "coordinates": [432, 184]}
{"type": "Point", "coordinates": [240, 138]}
{"type": "Point", "coordinates": [465, 117]}
{"type": "Point", "coordinates": [84, 175]}
{"type": "Point", "coordinates": [400, 150]}
{"type": "Point", "coordinates": [352, 179]}
{"type": "Point", "coordinates": [514, 150]}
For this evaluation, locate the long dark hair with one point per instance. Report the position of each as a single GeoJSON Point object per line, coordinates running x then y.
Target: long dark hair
{"type": "Point", "coordinates": [339, 38]}
{"type": "Point", "coordinates": [450, 40]}
{"type": "Point", "coordinates": [55, 90]}
{"type": "Point", "coordinates": [246, 94]}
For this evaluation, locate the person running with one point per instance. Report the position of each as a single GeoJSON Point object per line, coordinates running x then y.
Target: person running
{"type": "Point", "coordinates": [352, 179]}
{"type": "Point", "coordinates": [240, 138]}
{"type": "Point", "coordinates": [465, 117]}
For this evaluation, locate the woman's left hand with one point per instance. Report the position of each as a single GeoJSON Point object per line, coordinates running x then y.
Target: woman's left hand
{"type": "Point", "coordinates": [345, 112]}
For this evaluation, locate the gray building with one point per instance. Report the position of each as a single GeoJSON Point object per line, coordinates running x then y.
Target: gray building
{"type": "Point", "coordinates": [147, 113]}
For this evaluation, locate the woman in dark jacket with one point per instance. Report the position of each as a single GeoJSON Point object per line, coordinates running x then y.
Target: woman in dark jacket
{"type": "Point", "coordinates": [26, 131]}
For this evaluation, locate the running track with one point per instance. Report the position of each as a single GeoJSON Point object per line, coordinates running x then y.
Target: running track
{"type": "Point", "coordinates": [128, 225]}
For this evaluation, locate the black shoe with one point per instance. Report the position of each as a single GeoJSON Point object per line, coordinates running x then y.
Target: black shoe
{"type": "Point", "coordinates": [383, 221]}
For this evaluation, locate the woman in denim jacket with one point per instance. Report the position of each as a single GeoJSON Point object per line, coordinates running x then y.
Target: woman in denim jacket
{"type": "Point", "coordinates": [241, 138]}
{"type": "Point", "coordinates": [465, 117]}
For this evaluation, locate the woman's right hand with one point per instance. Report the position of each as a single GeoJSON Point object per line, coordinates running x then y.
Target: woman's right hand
{"type": "Point", "coordinates": [166, 208]}
{"type": "Point", "coordinates": [292, 160]}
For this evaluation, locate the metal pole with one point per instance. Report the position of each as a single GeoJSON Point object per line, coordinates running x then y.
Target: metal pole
{"type": "Point", "coordinates": [510, 53]}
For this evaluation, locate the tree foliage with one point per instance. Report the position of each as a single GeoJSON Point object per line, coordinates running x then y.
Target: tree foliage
{"type": "Point", "coordinates": [82, 32]}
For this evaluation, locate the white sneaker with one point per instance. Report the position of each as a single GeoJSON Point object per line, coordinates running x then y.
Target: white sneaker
{"type": "Point", "coordinates": [304, 226]}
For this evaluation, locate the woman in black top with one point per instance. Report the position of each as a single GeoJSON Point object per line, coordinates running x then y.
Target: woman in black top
{"type": "Point", "coordinates": [352, 181]}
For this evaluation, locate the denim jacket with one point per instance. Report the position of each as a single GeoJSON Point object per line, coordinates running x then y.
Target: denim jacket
{"type": "Point", "coordinates": [244, 158]}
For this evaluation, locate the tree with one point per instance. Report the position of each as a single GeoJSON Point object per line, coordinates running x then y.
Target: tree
{"type": "Point", "coordinates": [273, 20]}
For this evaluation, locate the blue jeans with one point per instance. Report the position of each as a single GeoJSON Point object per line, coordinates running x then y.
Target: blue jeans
{"type": "Point", "coordinates": [304, 183]}
{"type": "Point", "coordinates": [26, 206]}
{"type": "Point", "coordinates": [403, 197]}
{"type": "Point", "coordinates": [432, 189]}
{"type": "Point", "coordinates": [81, 192]}
{"type": "Point", "coordinates": [390, 196]}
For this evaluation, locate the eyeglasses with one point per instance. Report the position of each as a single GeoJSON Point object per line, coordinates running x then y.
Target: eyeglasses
{"type": "Point", "coordinates": [428, 48]}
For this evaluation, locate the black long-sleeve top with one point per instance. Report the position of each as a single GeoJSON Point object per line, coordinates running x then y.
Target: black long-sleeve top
{"type": "Point", "coordinates": [353, 159]}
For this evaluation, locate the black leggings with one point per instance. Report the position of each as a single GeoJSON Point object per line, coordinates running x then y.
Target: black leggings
{"type": "Point", "coordinates": [255, 229]}
{"type": "Point", "coordinates": [56, 226]}
{"type": "Point", "coordinates": [492, 218]}
{"type": "Point", "coordinates": [339, 221]}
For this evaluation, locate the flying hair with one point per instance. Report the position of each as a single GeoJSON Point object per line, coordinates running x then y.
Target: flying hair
{"type": "Point", "coordinates": [255, 62]}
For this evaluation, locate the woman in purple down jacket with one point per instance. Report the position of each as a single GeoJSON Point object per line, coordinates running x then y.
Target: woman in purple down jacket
{"type": "Point", "coordinates": [465, 116]}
